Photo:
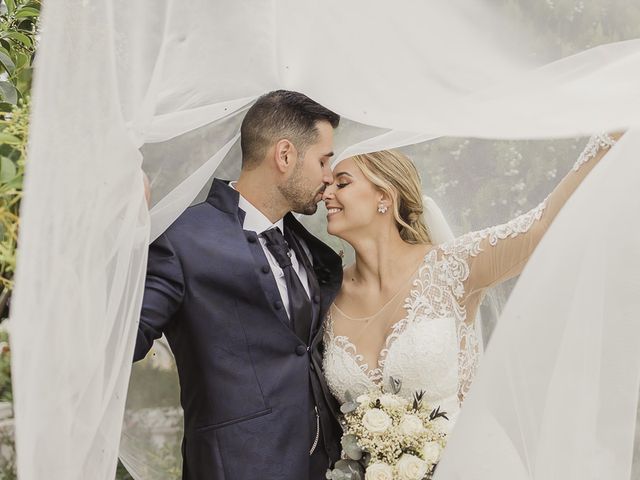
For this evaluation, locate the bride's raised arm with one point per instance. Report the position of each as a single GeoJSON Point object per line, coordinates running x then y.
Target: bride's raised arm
{"type": "Point", "coordinates": [498, 253]}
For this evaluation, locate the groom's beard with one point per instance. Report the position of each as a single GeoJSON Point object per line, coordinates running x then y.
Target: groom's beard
{"type": "Point", "coordinates": [302, 197]}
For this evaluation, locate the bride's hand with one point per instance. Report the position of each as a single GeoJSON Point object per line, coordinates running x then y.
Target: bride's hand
{"type": "Point", "coordinates": [617, 135]}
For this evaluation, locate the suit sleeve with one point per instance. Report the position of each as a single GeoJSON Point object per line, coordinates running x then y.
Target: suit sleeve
{"type": "Point", "coordinates": [163, 294]}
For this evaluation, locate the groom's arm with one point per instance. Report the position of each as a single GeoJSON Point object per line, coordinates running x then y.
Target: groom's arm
{"type": "Point", "coordinates": [163, 293]}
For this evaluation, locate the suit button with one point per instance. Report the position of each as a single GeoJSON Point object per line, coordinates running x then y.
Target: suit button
{"type": "Point", "coordinates": [252, 238]}
{"type": "Point", "coordinates": [277, 304]}
{"type": "Point", "coordinates": [316, 299]}
{"type": "Point", "coordinates": [301, 350]}
{"type": "Point", "coordinates": [265, 269]}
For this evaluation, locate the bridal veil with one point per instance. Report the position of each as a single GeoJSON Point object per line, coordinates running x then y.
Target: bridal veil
{"type": "Point", "coordinates": [162, 85]}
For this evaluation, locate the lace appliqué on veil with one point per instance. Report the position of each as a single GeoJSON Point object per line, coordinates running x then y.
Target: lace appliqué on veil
{"type": "Point", "coordinates": [594, 145]}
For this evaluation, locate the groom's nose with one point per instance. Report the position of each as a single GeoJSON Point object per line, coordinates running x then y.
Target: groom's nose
{"type": "Point", "coordinates": [328, 192]}
{"type": "Point", "coordinates": [327, 175]}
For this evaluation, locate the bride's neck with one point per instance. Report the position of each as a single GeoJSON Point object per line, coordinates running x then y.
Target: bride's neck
{"type": "Point", "coordinates": [383, 259]}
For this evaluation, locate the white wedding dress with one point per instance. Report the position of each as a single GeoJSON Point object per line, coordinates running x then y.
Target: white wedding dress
{"type": "Point", "coordinates": [425, 336]}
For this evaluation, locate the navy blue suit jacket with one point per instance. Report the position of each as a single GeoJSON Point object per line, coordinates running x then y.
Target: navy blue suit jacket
{"type": "Point", "coordinates": [248, 383]}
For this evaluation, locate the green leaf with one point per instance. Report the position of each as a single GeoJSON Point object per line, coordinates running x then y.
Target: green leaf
{"type": "Point", "coordinates": [9, 139]}
{"type": "Point", "coordinates": [351, 469]}
{"type": "Point", "coordinates": [6, 62]}
{"type": "Point", "coordinates": [7, 170]}
{"type": "Point", "coordinates": [21, 60]}
{"type": "Point", "coordinates": [6, 107]}
{"type": "Point", "coordinates": [26, 12]}
{"type": "Point", "coordinates": [8, 92]}
{"type": "Point", "coordinates": [35, 5]}
{"type": "Point", "coordinates": [20, 37]}
{"type": "Point", "coordinates": [15, 183]}
{"type": "Point", "coordinates": [348, 407]}
{"type": "Point", "coordinates": [11, 6]}
{"type": "Point", "coordinates": [9, 151]}
{"type": "Point", "coordinates": [350, 447]}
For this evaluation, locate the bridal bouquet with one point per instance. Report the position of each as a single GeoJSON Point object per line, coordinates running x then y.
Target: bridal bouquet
{"type": "Point", "coordinates": [387, 437]}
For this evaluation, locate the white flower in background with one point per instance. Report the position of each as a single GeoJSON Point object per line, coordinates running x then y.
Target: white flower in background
{"type": "Point", "coordinates": [379, 471]}
{"type": "Point", "coordinates": [431, 452]}
{"type": "Point", "coordinates": [363, 399]}
{"type": "Point", "coordinates": [392, 401]}
{"type": "Point", "coordinates": [411, 425]}
{"type": "Point", "coordinates": [411, 467]}
{"type": "Point", "coordinates": [376, 421]}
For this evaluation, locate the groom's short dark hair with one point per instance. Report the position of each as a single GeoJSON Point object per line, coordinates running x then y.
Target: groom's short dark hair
{"type": "Point", "coordinates": [277, 115]}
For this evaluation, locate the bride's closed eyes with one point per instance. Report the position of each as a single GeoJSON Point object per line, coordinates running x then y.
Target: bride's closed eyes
{"type": "Point", "coordinates": [342, 179]}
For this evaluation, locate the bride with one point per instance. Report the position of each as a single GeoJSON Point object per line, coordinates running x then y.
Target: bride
{"type": "Point", "coordinates": [407, 306]}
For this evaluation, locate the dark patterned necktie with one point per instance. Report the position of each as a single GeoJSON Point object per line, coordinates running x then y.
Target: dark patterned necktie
{"type": "Point", "coordinates": [300, 308]}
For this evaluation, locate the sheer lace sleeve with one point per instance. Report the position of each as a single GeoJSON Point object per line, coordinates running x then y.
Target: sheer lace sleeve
{"type": "Point", "coordinates": [498, 253]}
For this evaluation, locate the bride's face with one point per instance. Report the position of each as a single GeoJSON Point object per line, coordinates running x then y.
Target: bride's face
{"type": "Point", "coordinates": [351, 200]}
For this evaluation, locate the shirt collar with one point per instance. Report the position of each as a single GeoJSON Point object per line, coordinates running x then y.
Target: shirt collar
{"type": "Point", "coordinates": [254, 219]}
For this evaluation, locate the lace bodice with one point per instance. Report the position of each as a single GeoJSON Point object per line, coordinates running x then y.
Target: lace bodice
{"type": "Point", "coordinates": [430, 349]}
{"type": "Point", "coordinates": [434, 345]}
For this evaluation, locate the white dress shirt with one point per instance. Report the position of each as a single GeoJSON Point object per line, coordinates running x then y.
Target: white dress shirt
{"type": "Point", "coordinates": [256, 221]}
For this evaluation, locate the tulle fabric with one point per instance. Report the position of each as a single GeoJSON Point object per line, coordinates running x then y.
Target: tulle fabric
{"type": "Point", "coordinates": [556, 393]}
{"type": "Point", "coordinates": [164, 85]}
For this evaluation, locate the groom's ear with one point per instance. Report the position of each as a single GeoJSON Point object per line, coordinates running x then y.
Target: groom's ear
{"type": "Point", "coordinates": [284, 155]}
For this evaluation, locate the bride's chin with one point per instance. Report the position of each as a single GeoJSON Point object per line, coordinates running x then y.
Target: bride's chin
{"type": "Point", "coordinates": [332, 230]}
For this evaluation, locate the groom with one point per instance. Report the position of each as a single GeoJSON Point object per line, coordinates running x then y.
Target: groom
{"type": "Point", "coordinates": [240, 289]}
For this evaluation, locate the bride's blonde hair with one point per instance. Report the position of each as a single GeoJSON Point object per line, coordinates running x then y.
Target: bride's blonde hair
{"type": "Point", "coordinates": [396, 175]}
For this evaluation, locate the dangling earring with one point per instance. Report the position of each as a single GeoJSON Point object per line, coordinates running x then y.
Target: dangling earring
{"type": "Point", "coordinates": [382, 208]}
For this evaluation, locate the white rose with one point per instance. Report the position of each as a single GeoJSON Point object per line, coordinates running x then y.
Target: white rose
{"type": "Point", "coordinates": [363, 399]}
{"type": "Point", "coordinates": [431, 452]}
{"type": "Point", "coordinates": [411, 425]}
{"type": "Point", "coordinates": [379, 471]}
{"type": "Point", "coordinates": [376, 421]}
{"type": "Point", "coordinates": [391, 401]}
{"type": "Point", "coordinates": [411, 467]}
